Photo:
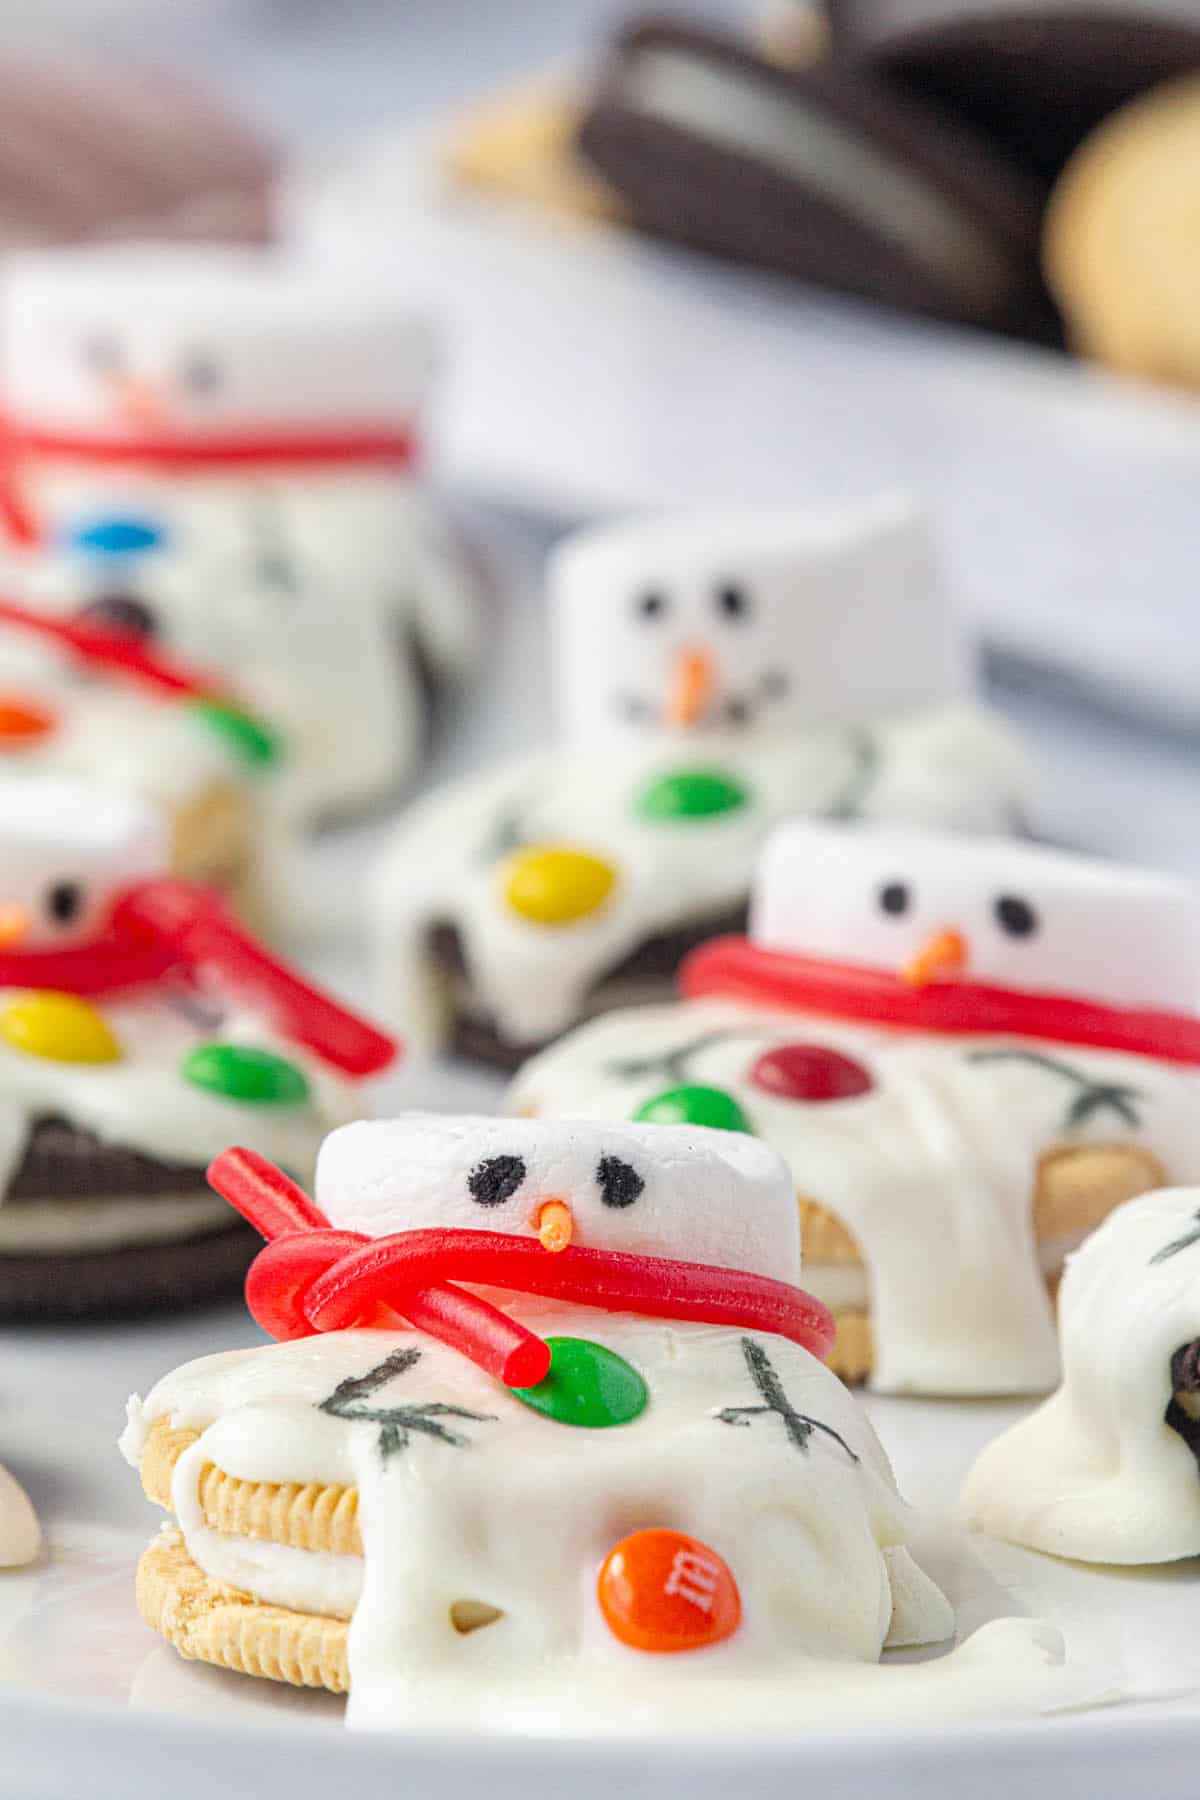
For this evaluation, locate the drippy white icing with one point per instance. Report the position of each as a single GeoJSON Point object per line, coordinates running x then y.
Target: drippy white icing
{"type": "Point", "coordinates": [1096, 1473]}
{"type": "Point", "coordinates": [521, 1514]}
{"type": "Point", "coordinates": [112, 731]}
{"type": "Point", "coordinates": [952, 766]}
{"type": "Point", "coordinates": [363, 562]}
{"type": "Point", "coordinates": [61, 1228]}
{"type": "Point", "coordinates": [142, 1102]}
{"type": "Point", "coordinates": [932, 1170]}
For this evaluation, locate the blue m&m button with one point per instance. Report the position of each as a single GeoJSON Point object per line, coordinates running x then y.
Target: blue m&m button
{"type": "Point", "coordinates": [116, 536]}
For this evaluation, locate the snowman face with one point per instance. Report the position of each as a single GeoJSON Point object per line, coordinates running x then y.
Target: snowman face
{"type": "Point", "coordinates": [139, 342]}
{"type": "Point", "coordinates": [751, 622]}
{"type": "Point", "coordinates": [930, 906]}
{"type": "Point", "coordinates": [67, 849]}
{"type": "Point", "coordinates": [685, 1192]}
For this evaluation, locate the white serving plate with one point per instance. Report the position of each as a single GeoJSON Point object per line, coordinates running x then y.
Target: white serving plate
{"type": "Point", "coordinates": [92, 1704]}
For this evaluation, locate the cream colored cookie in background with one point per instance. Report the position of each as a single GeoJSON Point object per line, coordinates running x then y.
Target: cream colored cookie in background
{"type": "Point", "coordinates": [521, 146]}
{"type": "Point", "coordinates": [20, 1533]}
{"type": "Point", "coordinates": [1122, 238]}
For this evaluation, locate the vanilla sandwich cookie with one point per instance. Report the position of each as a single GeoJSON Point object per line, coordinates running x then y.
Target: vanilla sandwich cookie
{"type": "Point", "coordinates": [712, 675]}
{"type": "Point", "coordinates": [1105, 1470]}
{"type": "Point", "coordinates": [968, 1053]}
{"type": "Point", "coordinates": [141, 1032]}
{"type": "Point", "coordinates": [686, 1517]}
{"type": "Point", "coordinates": [821, 172]}
{"type": "Point", "coordinates": [218, 451]}
{"type": "Point", "coordinates": [1118, 240]}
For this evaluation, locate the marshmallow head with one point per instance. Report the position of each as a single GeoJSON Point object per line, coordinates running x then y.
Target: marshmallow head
{"type": "Point", "coordinates": [67, 850]}
{"type": "Point", "coordinates": [741, 623]}
{"type": "Point", "coordinates": [934, 907]}
{"type": "Point", "coordinates": [144, 342]}
{"type": "Point", "coordinates": [684, 1192]}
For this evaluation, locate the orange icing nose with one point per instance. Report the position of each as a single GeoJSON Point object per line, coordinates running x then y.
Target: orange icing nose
{"type": "Point", "coordinates": [555, 1225]}
{"type": "Point", "coordinates": [662, 1591]}
{"type": "Point", "coordinates": [23, 722]}
{"type": "Point", "coordinates": [14, 925]}
{"type": "Point", "coordinates": [692, 682]}
{"type": "Point", "coordinates": [945, 953]}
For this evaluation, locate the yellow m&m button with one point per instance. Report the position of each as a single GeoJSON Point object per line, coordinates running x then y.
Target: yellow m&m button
{"type": "Point", "coordinates": [553, 885]}
{"type": "Point", "coordinates": [59, 1027]}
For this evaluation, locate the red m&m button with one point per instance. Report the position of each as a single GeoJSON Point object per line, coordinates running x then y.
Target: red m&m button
{"type": "Point", "coordinates": [810, 1072]}
{"type": "Point", "coordinates": [662, 1591]}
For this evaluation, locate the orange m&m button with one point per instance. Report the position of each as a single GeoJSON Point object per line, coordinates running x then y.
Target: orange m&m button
{"type": "Point", "coordinates": [23, 722]}
{"type": "Point", "coordinates": [661, 1590]}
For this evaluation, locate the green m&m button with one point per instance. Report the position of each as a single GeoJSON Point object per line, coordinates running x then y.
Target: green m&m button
{"type": "Point", "coordinates": [695, 1105]}
{"type": "Point", "coordinates": [587, 1385]}
{"type": "Point", "coordinates": [692, 794]}
{"type": "Point", "coordinates": [242, 1072]}
{"type": "Point", "coordinates": [246, 736]}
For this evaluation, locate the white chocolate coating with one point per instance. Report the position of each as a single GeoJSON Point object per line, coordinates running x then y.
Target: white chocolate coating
{"type": "Point", "coordinates": [954, 766]}
{"type": "Point", "coordinates": [111, 731]}
{"type": "Point", "coordinates": [141, 1101]}
{"type": "Point", "coordinates": [1128, 937]}
{"type": "Point", "coordinates": [1096, 1473]}
{"type": "Point", "coordinates": [97, 840]}
{"type": "Point", "coordinates": [933, 1168]}
{"type": "Point", "coordinates": [806, 620]}
{"type": "Point", "coordinates": [698, 1195]}
{"type": "Point", "coordinates": [520, 1514]}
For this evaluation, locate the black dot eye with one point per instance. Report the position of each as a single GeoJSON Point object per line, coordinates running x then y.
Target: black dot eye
{"type": "Point", "coordinates": [1015, 916]}
{"type": "Point", "coordinates": [733, 602]}
{"type": "Point", "coordinates": [737, 712]}
{"type": "Point", "coordinates": [202, 373]}
{"type": "Point", "coordinates": [652, 605]}
{"type": "Point", "coordinates": [64, 902]}
{"type": "Point", "coordinates": [895, 897]}
{"type": "Point", "coordinates": [124, 613]}
{"type": "Point", "coordinates": [775, 684]}
{"type": "Point", "coordinates": [496, 1180]}
{"type": "Point", "coordinates": [102, 355]}
{"type": "Point", "coordinates": [619, 1184]}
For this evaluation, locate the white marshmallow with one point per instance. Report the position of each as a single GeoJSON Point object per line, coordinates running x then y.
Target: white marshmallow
{"type": "Point", "coordinates": [202, 340]}
{"type": "Point", "coordinates": [67, 849]}
{"type": "Point", "coordinates": [802, 619]}
{"type": "Point", "coordinates": [1096, 1473]}
{"type": "Point", "coordinates": [1032, 918]}
{"type": "Point", "coordinates": [686, 1192]}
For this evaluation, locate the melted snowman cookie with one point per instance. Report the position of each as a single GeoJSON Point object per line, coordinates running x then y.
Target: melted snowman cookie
{"type": "Point", "coordinates": [713, 676]}
{"type": "Point", "coordinates": [963, 1051]}
{"type": "Point", "coordinates": [217, 451]}
{"type": "Point", "coordinates": [682, 1507]}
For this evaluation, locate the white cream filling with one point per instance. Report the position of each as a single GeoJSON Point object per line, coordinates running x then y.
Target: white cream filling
{"type": "Point", "coordinates": [731, 107]}
{"type": "Point", "coordinates": [106, 1222]}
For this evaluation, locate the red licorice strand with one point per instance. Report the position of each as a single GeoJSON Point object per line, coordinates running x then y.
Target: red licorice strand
{"type": "Point", "coordinates": [396, 448]}
{"type": "Point", "coordinates": [613, 1280]}
{"type": "Point", "coordinates": [490, 1338]}
{"type": "Point", "coordinates": [114, 650]}
{"type": "Point", "coordinates": [111, 963]}
{"type": "Point", "coordinates": [266, 1198]}
{"type": "Point", "coordinates": [197, 923]}
{"type": "Point", "coordinates": [736, 969]}
{"type": "Point", "coordinates": [280, 1277]}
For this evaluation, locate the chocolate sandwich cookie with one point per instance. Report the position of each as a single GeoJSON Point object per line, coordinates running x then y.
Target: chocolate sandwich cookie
{"type": "Point", "coordinates": [824, 173]}
{"type": "Point", "coordinates": [1036, 75]}
{"type": "Point", "coordinates": [91, 1227]}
